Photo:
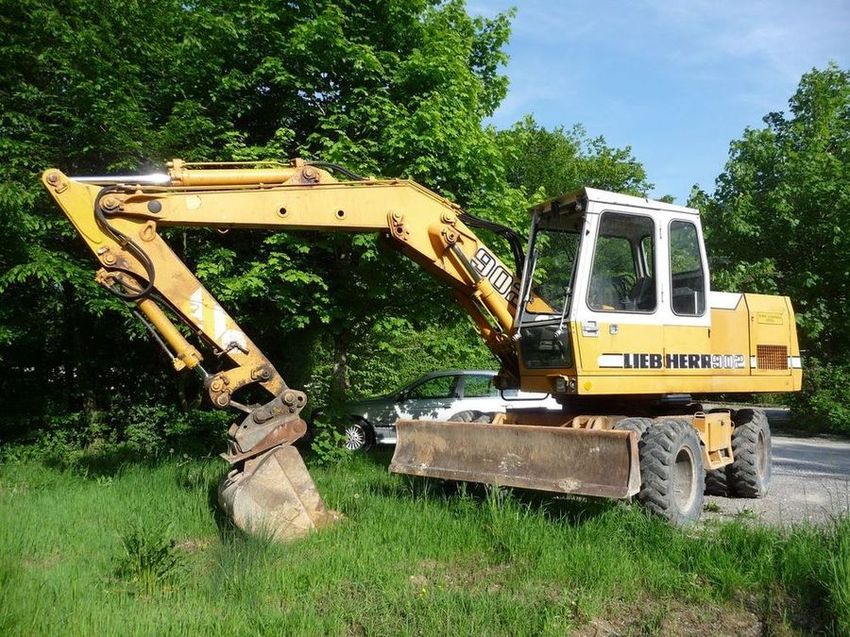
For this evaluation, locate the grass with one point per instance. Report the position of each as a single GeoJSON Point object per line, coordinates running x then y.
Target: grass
{"type": "Point", "coordinates": [141, 549]}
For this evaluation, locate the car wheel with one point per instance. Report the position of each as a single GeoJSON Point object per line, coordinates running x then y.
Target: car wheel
{"type": "Point", "coordinates": [358, 436]}
{"type": "Point", "coordinates": [471, 415]}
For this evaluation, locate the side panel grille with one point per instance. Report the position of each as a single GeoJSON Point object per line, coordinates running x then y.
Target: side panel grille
{"type": "Point", "coordinates": [772, 356]}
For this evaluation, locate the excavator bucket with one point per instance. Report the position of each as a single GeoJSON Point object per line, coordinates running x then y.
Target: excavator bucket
{"type": "Point", "coordinates": [562, 460]}
{"type": "Point", "coordinates": [274, 496]}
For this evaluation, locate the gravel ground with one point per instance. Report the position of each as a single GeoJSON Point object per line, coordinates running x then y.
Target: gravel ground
{"type": "Point", "coordinates": [811, 482]}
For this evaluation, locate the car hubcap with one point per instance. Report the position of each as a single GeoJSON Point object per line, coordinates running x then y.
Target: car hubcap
{"type": "Point", "coordinates": [355, 438]}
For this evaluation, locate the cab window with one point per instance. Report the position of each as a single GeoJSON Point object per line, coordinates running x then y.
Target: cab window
{"type": "Point", "coordinates": [687, 272]}
{"type": "Point", "coordinates": [623, 274]}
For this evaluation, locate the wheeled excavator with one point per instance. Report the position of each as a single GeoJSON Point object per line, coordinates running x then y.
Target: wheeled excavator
{"type": "Point", "coordinates": [606, 306]}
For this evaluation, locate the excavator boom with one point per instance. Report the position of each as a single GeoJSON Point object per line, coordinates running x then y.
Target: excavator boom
{"type": "Point", "coordinates": [268, 489]}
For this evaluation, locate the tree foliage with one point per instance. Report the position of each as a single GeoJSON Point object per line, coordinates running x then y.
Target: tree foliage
{"type": "Point", "coordinates": [386, 87]}
{"type": "Point", "coordinates": [395, 88]}
{"type": "Point", "coordinates": [547, 163]}
{"type": "Point", "coordinates": [778, 220]}
{"type": "Point", "coordinates": [781, 210]}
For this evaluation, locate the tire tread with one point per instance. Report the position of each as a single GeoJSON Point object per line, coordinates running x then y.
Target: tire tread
{"type": "Point", "coordinates": [744, 478]}
{"type": "Point", "coordinates": [658, 449]}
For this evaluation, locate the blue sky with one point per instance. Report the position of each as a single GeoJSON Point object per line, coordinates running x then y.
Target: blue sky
{"type": "Point", "coordinates": [675, 80]}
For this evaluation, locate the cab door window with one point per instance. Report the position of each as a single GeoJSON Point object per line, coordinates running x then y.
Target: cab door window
{"type": "Point", "coordinates": [687, 272]}
{"type": "Point", "coordinates": [623, 274]}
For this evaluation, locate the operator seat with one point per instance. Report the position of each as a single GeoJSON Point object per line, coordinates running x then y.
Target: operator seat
{"type": "Point", "coordinates": [642, 294]}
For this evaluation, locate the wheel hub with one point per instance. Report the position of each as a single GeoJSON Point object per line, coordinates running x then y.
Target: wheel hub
{"type": "Point", "coordinates": [684, 479]}
{"type": "Point", "coordinates": [355, 438]}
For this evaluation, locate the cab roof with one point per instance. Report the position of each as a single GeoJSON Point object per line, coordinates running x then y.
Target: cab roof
{"type": "Point", "coordinates": [589, 196]}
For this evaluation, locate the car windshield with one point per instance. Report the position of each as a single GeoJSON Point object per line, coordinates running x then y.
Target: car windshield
{"type": "Point", "coordinates": [556, 241]}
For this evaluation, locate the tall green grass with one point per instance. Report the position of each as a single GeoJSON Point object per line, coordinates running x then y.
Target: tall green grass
{"type": "Point", "coordinates": [129, 548]}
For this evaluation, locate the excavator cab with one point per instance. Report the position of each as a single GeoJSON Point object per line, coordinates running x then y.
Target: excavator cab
{"type": "Point", "coordinates": [540, 450]}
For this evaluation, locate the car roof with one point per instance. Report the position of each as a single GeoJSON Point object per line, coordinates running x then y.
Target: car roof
{"type": "Point", "coordinates": [456, 372]}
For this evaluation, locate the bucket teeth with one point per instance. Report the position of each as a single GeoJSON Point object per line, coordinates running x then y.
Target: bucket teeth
{"type": "Point", "coordinates": [275, 497]}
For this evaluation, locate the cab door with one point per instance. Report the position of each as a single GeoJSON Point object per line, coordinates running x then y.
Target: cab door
{"type": "Point", "coordinates": [687, 341]}
{"type": "Point", "coordinates": [617, 325]}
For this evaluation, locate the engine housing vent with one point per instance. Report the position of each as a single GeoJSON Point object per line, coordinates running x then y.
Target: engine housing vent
{"type": "Point", "coordinates": [772, 356]}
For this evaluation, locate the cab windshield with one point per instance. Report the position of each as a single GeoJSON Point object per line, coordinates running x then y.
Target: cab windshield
{"type": "Point", "coordinates": [555, 248]}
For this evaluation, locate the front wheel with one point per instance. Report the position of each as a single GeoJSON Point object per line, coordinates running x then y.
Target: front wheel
{"type": "Point", "coordinates": [671, 472]}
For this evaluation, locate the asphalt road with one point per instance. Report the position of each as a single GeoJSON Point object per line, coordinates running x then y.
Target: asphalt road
{"type": "Point", "coordinates": [811, 483]}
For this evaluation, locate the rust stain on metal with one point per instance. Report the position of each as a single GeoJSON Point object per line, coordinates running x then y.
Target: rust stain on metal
{"type": "Point", "coordinates": [594, 462]}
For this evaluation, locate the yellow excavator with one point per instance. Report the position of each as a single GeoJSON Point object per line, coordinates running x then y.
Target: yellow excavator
{"type": "Point", "coordinates": [607, 307]}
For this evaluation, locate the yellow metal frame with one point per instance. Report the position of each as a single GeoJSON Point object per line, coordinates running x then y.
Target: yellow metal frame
{"type": "Point", "coordinates": [422, 225]}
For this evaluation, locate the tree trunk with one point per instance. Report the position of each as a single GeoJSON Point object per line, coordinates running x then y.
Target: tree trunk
{"type": "Point", "coordinates": [188, 398]}
{"type": "Point", "coordinates": [69, 349]}
{"type": "Point", "coordinates": [340, 384]}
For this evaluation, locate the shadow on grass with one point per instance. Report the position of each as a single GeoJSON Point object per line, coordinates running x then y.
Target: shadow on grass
{"type": "Point", "coordinates": [112, 461]}
{"type": "Point", "coordinates": [202, 474]}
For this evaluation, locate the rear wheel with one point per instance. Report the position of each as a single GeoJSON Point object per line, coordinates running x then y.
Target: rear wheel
{"type": "Point", "coordinates": [750, 472]}
{"type": "Point", "coordinates": [358, 436]}
{"type": "Point", "coordinates": [471, 415]}
{"type": "Point", "coordinates": [716, 482]}
{"type": "Point", "coordinates": [671, 471]}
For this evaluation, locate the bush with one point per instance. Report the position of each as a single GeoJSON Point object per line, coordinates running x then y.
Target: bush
{"type": "Point", "coordinates": [326, 439]}
{"type": "Point", "coordinates": [144, 431]}
{"type": "Point", "coordinates": [824, 404]}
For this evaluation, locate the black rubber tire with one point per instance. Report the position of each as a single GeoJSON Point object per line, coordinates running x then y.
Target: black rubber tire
{"type": "Point", "coordinates": [471, 416]}
{"type": "Point", "coordinates": [637, 424]}
{"type": "Point", "coordinates": [750, 472]}
{"type": "Point", "coordinates": [359, 436]}
{"type": "Point", "coordinates": [717, 482]}
{"type": "Point", "coordinates": [671, 471]}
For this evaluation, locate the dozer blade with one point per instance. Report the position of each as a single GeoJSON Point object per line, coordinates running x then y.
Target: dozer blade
{"type": "Point", "coordinates": [562, 460]}
{"type": "Point", "coordinates": [274, 496]}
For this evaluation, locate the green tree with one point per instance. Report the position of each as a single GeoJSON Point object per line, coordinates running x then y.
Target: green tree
{"type": "Point", "coordinates": [779, 217]}
{"type": "Point", "coordinates": [781, 210]}
{"type": "Point", "coordinates": [387, 87]}
{"type": "Point", "coordinates": [548, 163]}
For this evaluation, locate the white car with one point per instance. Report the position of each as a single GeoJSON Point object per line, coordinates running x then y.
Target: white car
{"type": "Point", "coordinates": [443, 395]}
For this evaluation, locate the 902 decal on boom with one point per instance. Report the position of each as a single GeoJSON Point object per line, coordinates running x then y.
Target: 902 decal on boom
{"type": "Point", "coordinates": [489, 266]}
